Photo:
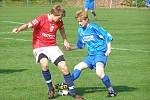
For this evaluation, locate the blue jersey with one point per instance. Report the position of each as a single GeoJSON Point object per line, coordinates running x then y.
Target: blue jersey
{"type": "Point", "coordinates": [89, 4]}
{"type": "Point", "coordinates": [94, 37]}
{"type": "Point", "coordinates": [89, 0]}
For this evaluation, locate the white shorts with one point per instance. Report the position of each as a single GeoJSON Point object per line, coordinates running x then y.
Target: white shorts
{"type": "Point", "coordinates": [52, 52]}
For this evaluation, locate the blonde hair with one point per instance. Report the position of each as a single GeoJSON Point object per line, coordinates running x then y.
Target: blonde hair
{"type": "Point", "coordinates": [57, 10]}
{"type": "Point", "coordinates": [80, 15]}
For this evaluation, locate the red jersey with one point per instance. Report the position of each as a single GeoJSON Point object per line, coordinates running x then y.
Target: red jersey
{"type": "Point", "coordinates": [44, 31]}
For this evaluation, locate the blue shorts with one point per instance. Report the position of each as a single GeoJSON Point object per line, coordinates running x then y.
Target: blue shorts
{"type": "Point", "coordinates": [89, 5]}
{"type": "Point", "coordinates": [92, 60]}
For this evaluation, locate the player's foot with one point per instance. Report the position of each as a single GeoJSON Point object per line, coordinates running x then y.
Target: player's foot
{"type": "Point", "coordinates": [111, 93]}
{"type": "Point", "coordinates": [51, 94]}
{"type": "Point", "coordinates": [74, 94]}
{"type": "Point", "coordinates": [78, 97]}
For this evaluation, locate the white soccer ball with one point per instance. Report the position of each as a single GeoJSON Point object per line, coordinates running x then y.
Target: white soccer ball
{"type": "Point", "coordinates": [62, 89]}
{"type": "Point", "coordinates": [63, 92]}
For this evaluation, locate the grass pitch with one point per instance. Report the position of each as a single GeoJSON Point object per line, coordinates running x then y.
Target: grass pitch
{"type": "Point", "coordinates": [128, 66]}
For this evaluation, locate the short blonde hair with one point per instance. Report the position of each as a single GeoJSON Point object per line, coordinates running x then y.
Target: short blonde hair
{"type": "Point", "coordinates": [80, 15]}
{"type": "Point", "coordinates": [57, 10]}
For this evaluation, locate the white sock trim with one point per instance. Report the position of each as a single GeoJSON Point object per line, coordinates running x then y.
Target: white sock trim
{"type": "Point", "coordinates": [49, 81]}
{"type": "Point", "coordinates": [72, 87]}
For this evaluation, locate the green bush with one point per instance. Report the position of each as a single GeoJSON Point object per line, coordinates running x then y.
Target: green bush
{"type": "Point", "coordinates": [140, 3]}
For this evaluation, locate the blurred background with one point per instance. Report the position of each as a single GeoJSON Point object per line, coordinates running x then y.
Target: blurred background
{"type": "Point", "coordinates": [75, 3]}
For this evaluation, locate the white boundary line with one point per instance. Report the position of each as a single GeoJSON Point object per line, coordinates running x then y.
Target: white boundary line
{"type": "Point", "coordinates": [16, 39]}
{"type": "Point", "coordinates": [2, 33]}
{"type": "Point", "coordinates": [12, 22]}
{"type": "Point", "coordinates": [121, 49]}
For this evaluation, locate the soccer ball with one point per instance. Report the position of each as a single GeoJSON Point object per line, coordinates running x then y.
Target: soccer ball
{"type": "Point", "coordinates": [63, 92]}
{"type": "Point", "coordinates": [62, 89]}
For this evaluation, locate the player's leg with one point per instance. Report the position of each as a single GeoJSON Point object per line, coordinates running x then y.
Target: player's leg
{"type": "Point", "coordinates": [105, 79]}
{"type": "Point", "coordinates": [91, 8]}
{"type": "Point", "coordinates": [60, 62]}
{"type": "Point", "coordinates": [43, 60]}
{"type": "Point", "coordinates": [78, 69]}
{"type": "Point", "coordinates": [56, 56]}
{"type": "Point", "coordinates": [86, 8]}
{"type": "Point", "coordinates": [86, 12]}
{"type": "Point", "coordinates": [93, 13]}
{"type": "Point", "coordinates": [147, 3]}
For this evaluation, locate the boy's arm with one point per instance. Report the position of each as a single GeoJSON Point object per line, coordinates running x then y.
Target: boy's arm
{"type": "Point", "coordinates": [22, 28]}
{"type": "Point", "coordinates": [108, 52]}
{"type": "Point", "coordinates": [73, 47]}
{"type": "Point", "coordinates": [62, 32]}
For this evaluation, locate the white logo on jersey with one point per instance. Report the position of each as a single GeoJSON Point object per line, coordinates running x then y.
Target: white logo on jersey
{"type": "Point", "coordinates": [100, 36]}
{"type": "Point", "coordinates": [48, 35]}
{"type": "Point", "coordinates": [88, 38]}
{"type": "Point", "coordinates": [51, 27]}
{"type": "Point", "coordinates": [35, 21]}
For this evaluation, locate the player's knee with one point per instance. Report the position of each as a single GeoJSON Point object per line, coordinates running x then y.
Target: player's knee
{"type": "Point", "coordinates": [43, 61]}
{"type": "Point", "coordinates": [80, 66]}
{"type": "Point", "coordinates": [63, 68]}
{"type": "Point", "coordinates": [44, 66]}
{"type": "Point", "coordinates": [100, 74]}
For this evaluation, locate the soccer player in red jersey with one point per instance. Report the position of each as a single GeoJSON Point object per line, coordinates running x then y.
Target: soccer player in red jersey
{"type": "Point", "coordinates": [45, 48]}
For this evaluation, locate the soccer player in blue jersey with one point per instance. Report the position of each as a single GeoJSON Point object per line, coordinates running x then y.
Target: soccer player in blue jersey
{"type": "Point", "coordinates": [98, 42]}
{"type": "Point", "coordinates": [89, 5]}
{"type": "Point", "coordinates": [147, 3]}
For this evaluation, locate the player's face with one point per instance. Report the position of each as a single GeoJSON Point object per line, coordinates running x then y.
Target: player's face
{"type": "Point", "coordinates": [83, 22]}
{"type": "Point", "coordinates": [57, 18]}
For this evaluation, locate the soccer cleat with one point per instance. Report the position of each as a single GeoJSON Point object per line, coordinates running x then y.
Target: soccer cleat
{"type": "Point", "coordinates": [111, 93]}
{"type": "Point", "coordinates": [74, 94]}
{"type": "Point", "coordinates": [78, 97]}
{"type": "Point", "coordinates": [51, 94]}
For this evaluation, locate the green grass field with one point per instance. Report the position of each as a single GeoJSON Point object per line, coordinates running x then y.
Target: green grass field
{"type": "Point", "coordinates": [128, 66]}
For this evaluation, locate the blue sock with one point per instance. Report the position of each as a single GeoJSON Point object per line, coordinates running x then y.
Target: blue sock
{"type": "Point", "coordinates": [76, 73]}
{"type": "Point", "coordinates": [47, 77]}
{"type": "Point", "coordinates": [94, 14]}
{"type": "Point", "coordinates": [106, 81]}
{"type": "Point", "coordinates": [69, 81]}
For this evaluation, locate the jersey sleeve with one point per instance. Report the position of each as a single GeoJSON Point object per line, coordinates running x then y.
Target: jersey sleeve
{"type": "Point", "coordinates": [80, 42]}
{"type": "Point", "coordinates": [36, 22]}
{"type": "Point", "coordinates": [103, 34]}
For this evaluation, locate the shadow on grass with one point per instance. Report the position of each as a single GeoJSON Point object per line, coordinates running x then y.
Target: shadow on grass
{"type": "Point", "coordinates": [84, 90]}
{"type": "Point", "coordinates": [9, 71]}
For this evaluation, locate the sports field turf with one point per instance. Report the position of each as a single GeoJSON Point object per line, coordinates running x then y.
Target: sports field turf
{"type": "Point", "coordinates": [128, 66]}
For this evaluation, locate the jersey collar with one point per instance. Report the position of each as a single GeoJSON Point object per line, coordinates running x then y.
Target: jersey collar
{"type": "Point", "coordinates": [50, 18]}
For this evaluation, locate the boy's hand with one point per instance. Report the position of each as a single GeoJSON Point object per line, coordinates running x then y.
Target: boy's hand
{"type": "Point", "coordinates": [108, 52]}
{"type": "Point", "coordinates": [66, 48]}
{"type": "Point", "coordinates": [15, 30]}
